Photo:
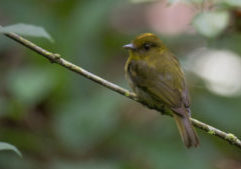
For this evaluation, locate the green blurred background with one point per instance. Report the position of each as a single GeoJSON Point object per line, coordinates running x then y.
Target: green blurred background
{"type": "Point", "coordinates": [60, 120]}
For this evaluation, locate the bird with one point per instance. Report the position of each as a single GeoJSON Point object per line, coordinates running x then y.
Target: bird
{"type": "Point", "coordinates": [156, 77]}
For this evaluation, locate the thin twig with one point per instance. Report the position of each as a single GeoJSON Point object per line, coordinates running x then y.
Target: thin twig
{"type": "Point", "coordinates": [56, 58]}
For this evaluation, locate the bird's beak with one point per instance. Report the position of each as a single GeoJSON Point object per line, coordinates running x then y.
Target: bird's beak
{"type": "Point", "coordinates": [129, 46]}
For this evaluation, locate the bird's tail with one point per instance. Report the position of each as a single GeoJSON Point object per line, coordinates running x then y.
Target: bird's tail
{"type": "Point", "coordinates": [187, 132]}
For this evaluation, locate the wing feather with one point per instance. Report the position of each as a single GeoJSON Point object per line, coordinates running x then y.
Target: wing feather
{"type": "Point", "coordinates": [167, 85]}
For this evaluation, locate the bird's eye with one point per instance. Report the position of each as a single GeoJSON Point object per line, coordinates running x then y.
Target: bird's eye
{"type": "Point", "coordinates": [147, 46]}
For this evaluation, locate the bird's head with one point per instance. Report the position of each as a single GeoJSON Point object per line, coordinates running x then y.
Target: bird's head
{"type": "Point", "coordinates": [145, 44]}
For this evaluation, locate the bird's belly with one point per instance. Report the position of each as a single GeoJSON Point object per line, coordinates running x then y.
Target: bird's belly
{"type": "Point", "coordinates": [151, 102]}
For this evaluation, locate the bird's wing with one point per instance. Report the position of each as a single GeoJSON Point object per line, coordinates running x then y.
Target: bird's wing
{"type": "Point", "coordinates": [165, 84]}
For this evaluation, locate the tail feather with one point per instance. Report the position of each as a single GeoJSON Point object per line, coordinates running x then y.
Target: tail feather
{"type": "Point", "coordinates": [187, 132]}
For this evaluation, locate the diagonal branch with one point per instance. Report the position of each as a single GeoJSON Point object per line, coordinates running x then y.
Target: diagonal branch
{"type": "Point", "coordinates": [56, 58]}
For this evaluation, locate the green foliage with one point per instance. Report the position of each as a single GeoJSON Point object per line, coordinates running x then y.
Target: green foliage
{"type": "Point", "coordinates": [231, 3]}
{"type": "Point", "coordinates": [26, 30]}
{"type": "Point", "coordinates": [6, 146]}
{"type": "Point", "coordinates": [95, 164]}
{"type": "Point", "coordinates": [30, 85]}
{"type": "Point", "coordinates": [89, 123]}
{"type": "Point", "coordinates": [187, 1]}
{"type": "Point", "coordinates": [61, 120]}
{"type": "Point", "coordinates": [143, 1]}
{"type": "Point", "coordinates": [210, 24]}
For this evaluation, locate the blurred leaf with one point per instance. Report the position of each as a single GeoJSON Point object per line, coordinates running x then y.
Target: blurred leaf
{"type": "Point", "coordinates": [210, 24]}
{"type": "Point", "coordinates": [186, 1]}
{"type": "Point", "coordinates": [93, 164]}
{"type": "Point", "coordinates": [30, 85]}
{"type": "Point", "coordinates": [83, 123]}
{"type": "Point", "coordinates": [3, 105]}
{"type": "Point", "coordinates": [212, 106]}
{"type": "Point", "coordinates": [173, 1]}
{"type": "Point", "coordinates": [86, 30]}
{"type": "Point", "coordinates": [143, 1]}
{"type": "Point", "coordinates": [10, 161]}
{"type": "Point", "coordinates": [26, 30]}
{"type": "Point", "coordinates": [6, 146]}
{"type": "Point", "coordinates": [169, 1]}
{"type": "Point", "coordinates": [161, 150]}
{"type": "Point", "coordinates": [231, 3]}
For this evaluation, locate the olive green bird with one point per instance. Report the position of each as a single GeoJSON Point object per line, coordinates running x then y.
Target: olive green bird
{"type": "Point", "coordinates": [155, 75]}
